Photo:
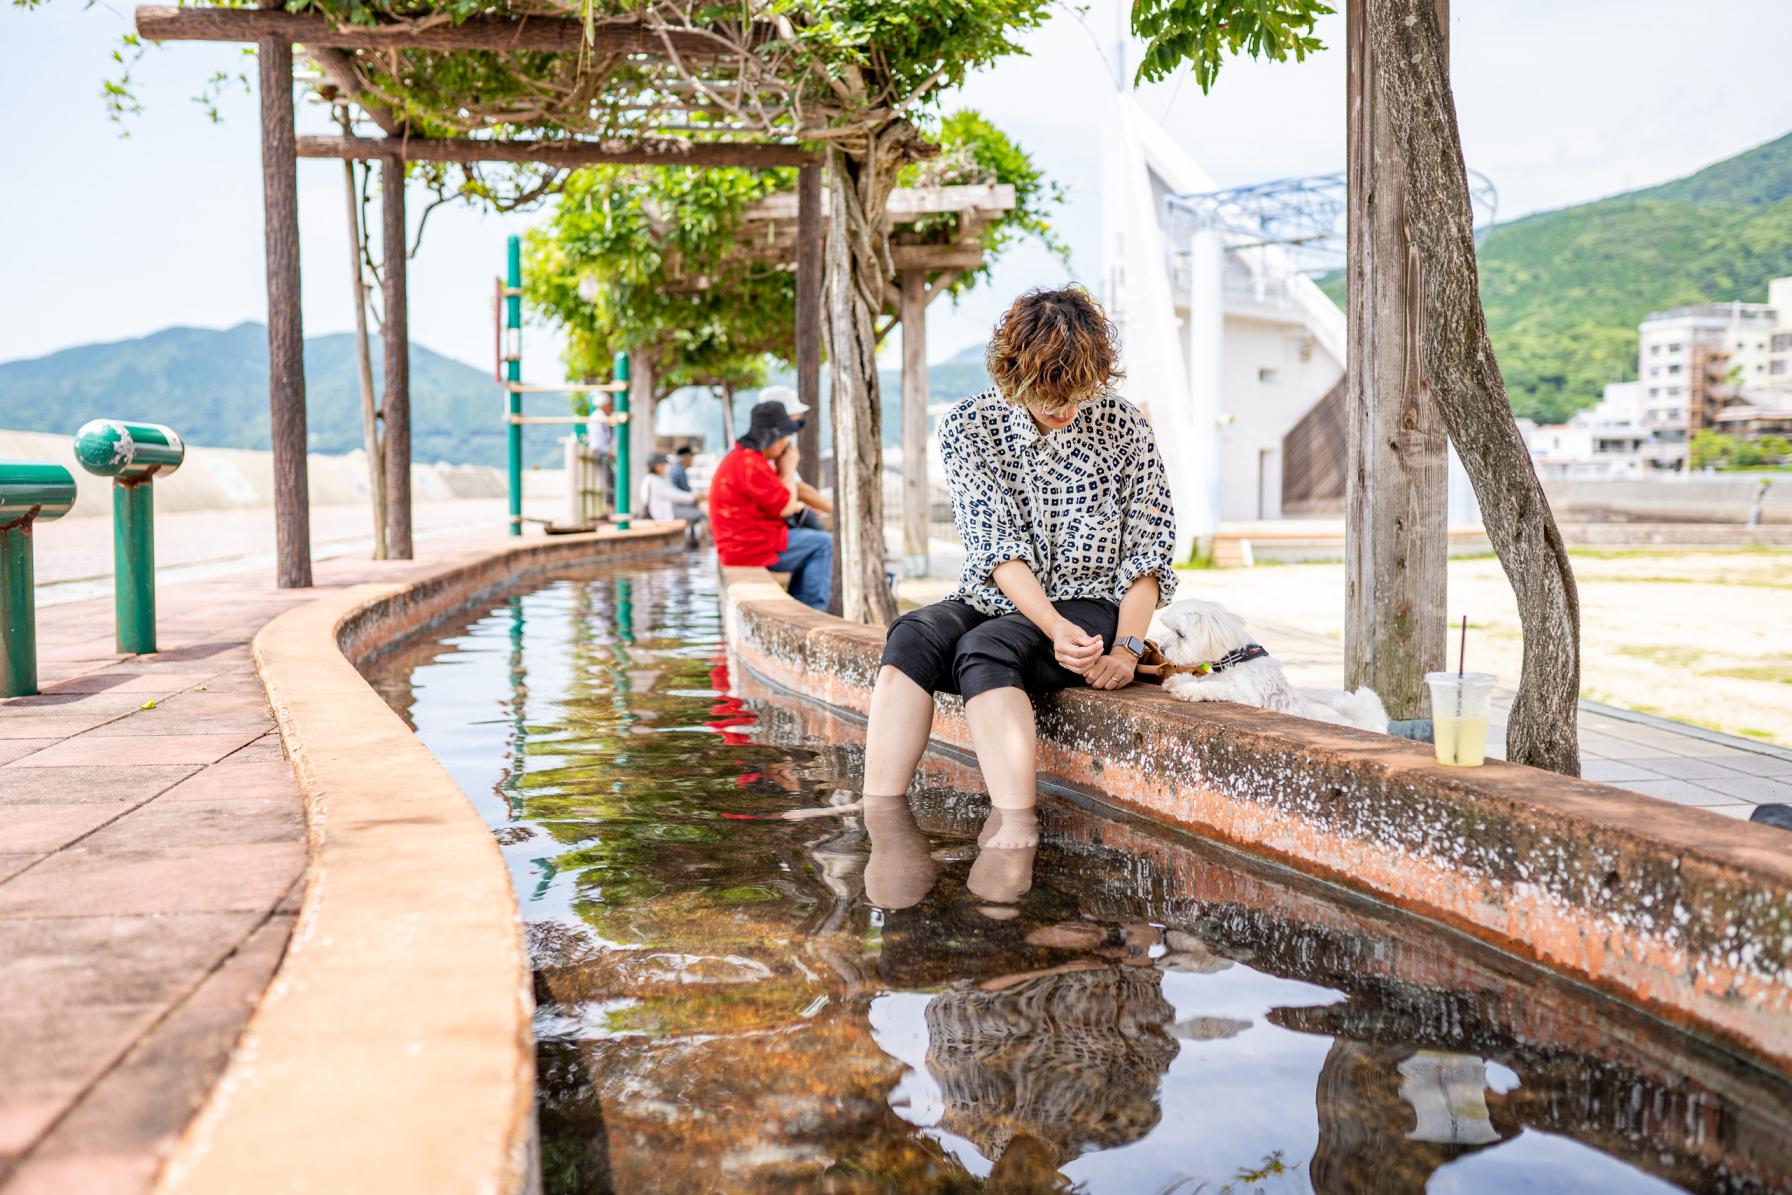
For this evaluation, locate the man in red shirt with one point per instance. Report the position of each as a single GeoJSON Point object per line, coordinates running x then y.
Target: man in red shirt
{"type": "Point", "coordinates": [753, 491]}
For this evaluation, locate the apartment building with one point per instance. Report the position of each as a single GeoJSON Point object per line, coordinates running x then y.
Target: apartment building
{"type": "Point", "coordinates": [1684, 355]}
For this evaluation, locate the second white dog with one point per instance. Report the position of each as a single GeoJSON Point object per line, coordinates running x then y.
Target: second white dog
{"type": "Point", "coordinates": [1200, 632]}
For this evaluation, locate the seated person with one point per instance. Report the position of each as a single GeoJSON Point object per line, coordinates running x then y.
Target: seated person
{"type": "Point", "coordinates": [679, 472]}
{"type": "Point", "coordinates": [1063, 505]}
{"type": "Point", "coordinates": [662, 498]}
{"type": "Point", "coordinates": [753, 492]}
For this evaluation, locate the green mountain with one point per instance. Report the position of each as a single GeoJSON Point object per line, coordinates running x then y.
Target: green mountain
{"type": "Point", "coordinates": [1565, 290]}
{"type": "Point", "coordinates": [212, 387]}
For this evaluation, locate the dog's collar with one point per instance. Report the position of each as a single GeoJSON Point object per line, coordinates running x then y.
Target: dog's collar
{"type": "Point", "coordinates": [1243, 655]}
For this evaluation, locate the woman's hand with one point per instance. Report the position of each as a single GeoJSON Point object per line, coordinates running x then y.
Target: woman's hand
{"type": "Point", "coordinates": [1112, 671]}
{"type": "Point", "coordinates": [1074, 648]}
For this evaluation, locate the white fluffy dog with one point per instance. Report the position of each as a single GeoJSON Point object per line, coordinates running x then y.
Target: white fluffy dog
{"type": "Point", "coordinates": [1198, 632]}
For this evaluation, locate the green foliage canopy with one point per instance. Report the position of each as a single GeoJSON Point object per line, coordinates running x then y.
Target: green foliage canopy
{"type": "Point", "coordinates": [1204, 33]}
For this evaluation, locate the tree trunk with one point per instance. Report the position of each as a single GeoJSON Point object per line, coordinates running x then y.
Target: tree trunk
{"type": "Point", "coordinates": [809, 249]}
{"type": "Point", "coordinates": [857, 268]}
{"type": "Point", "coordinates": [370, 426]}
{"type": "Point", "coordinates": [728, 416]}
{"type": "Point", "coordinates": [1414, 88]}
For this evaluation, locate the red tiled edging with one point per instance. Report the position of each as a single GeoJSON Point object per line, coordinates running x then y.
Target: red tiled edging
{"type": "Point", "coordinates": [1683, 912]}
{"type": "Point", "coordinates": [392, 1050]}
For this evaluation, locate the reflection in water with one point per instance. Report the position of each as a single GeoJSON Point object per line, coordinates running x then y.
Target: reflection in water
{"type": "Point", "coordinates": [871, 1002]}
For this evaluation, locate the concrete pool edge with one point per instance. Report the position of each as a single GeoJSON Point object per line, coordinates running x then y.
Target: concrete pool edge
{"type": "Point", "coordinates": [392, 1048]}
{"type": "Point", "coordinates": [1679, 911]}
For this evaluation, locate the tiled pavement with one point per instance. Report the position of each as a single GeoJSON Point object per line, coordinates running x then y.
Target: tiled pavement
{"type": "Point", "coordinates": [152, 844]}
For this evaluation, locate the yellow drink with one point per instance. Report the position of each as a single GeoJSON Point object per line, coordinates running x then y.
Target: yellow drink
{"type": "Point", "coordinates": [1461, 742]}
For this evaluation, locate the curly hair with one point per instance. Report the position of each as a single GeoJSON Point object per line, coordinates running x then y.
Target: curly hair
{"type": "Point", "coordinates": [1052, 348]}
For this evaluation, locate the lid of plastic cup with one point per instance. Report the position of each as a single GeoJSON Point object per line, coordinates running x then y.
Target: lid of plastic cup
{"type": "Point", "coordinates": [1469, 678]}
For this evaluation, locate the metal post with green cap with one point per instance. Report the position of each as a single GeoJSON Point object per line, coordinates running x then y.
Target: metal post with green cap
{"type": "Point", "coordinates": [620, 374]}
{"type": "Point", "coordinates": [133, 455]}
{"type": "Point", "coordinates": [513, 375]}
{"type": "Point", "coordinates": [31, 492]}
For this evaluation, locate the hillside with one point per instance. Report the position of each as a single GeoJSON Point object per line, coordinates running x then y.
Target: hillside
{"type": "Point", "coordinates": [212, 387]}
{"type": "Point", "coordinates": [1564, 290]}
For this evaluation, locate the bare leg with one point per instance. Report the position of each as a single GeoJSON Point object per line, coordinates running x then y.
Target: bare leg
{"type": "Point", "coordinates": [1002, 730]}
{"type": "Point", "coordinates": [901, 719]}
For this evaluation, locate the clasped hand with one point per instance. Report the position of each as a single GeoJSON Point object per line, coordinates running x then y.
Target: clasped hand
{"type": "Point", "coordinates": [1081, 653]}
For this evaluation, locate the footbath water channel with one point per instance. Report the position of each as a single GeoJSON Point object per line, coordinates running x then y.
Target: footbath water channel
{"type": "Point", "coordinates": [727, 1001]}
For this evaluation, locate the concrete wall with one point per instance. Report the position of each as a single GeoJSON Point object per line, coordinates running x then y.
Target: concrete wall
{"type": "Point", "coordinates": [1714, 498]}
{"type": "Point", "coordinates": [231, 478]}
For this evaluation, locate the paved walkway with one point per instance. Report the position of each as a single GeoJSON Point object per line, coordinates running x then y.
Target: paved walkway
{"type": "Point", "coordinates": [152, 847]}
{"type": "Point", "coordinates": [1687, 765]}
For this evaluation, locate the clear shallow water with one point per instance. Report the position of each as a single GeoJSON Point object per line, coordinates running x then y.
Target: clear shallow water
{"type": "Point", "coordinates": [869, 1003]}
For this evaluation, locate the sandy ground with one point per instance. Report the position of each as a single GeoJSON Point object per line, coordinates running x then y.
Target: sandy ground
{"type": "Point", "coordinates": [1700, 636]}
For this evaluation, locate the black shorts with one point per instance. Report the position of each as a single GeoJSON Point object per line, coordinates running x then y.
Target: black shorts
{"type": "Point", "coordinates": [949, 647]}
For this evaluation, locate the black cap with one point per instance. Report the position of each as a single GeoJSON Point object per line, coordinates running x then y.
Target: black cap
{"type": "Point", "coordinates": [770, 423]}
{"type": "Point", "coordinates": [658, 458]}
{"type": "Point", "coordinates": [685, 450]}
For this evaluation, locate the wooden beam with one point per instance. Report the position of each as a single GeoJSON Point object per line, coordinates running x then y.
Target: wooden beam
{"type": "Point", "coordinates": [808, 318]}
{"type": "Point", "coordinates": [286, 333]}
{"type": "Point", "coordinates": [915, 497]}
{"type": "Point", "coordinates": [396, 349]}
{"type": "Point", "coordinates": [1397, 488]}
{"type": "Point", "coordinates": [559, 35]}
{"type": "Point", "coordinates": [564, 155]}
{"type": "Point", "coordinates": [936, 257]}
{"type": "Point", "coordinates": [906, 203]}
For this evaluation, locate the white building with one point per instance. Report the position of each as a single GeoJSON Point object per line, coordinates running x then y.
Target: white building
{"type": "Point", "coordinates": [1607, 441]}
{"type": "Point", "coordinates": [1755, 339]}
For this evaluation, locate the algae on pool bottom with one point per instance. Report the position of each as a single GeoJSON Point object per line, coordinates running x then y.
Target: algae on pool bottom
{"type": "Point", "coordinates": [872, 1003]}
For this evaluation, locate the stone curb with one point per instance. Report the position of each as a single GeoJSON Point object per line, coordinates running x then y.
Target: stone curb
{"type": "Point", "coordinates": [392, 1050]}
{"type": "Point", "coordinates": [1680, 911]}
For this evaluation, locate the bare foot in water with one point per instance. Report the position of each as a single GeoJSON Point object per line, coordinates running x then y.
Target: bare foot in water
{"type": "Point", "coordinates": [1010, 829]}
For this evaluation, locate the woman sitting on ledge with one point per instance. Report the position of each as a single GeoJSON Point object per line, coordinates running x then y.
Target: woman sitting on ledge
{"type": "Point", "coordinates": [1060, 497]}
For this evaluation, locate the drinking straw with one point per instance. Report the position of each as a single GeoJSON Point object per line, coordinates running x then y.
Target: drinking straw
{"type": "Point", "coordinates": [1461, 678]}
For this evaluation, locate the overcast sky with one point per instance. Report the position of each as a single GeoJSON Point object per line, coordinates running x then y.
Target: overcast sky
{"type": "Point", "coordinates": [108, 238]}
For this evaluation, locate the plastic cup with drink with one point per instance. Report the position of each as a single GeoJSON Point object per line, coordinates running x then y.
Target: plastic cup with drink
{"type": "Point", "coordinates": [1459, 708]}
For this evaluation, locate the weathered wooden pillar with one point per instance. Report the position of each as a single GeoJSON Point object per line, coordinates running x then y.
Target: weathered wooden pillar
{"type": "Point", "coordinates": [639, 431]}
{"type": "Point", "coordinates": [286, 332]}
{"type": "Point", "coordinates": [1397, 503]}
{"type": "Point", "coordinates": [808, 317]}
{"type": "Point", "coordinates": [397, 353]}
{"type": "Point", "coordinates": [914, 423]}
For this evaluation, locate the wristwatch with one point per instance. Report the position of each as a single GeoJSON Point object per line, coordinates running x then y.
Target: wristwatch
{"type": "Point", "coordinates": [1134, 644]}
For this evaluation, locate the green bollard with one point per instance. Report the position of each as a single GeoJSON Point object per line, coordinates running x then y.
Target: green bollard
{"type": "Point", "coordinates": [513, 374]}
{"type": "Point", "coordinates": [30, 492]}
{"type": "Point", "coordinates": [620, 457]}
{"type": "Point", "coordinates": [133, 455]}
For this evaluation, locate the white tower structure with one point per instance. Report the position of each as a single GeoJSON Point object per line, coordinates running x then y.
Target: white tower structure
{"type": "Point", "coordinates": [1227, 344]}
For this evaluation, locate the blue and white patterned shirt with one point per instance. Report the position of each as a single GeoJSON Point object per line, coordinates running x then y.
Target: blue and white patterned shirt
{"type": "Point", "coordinates": [1087, 507]}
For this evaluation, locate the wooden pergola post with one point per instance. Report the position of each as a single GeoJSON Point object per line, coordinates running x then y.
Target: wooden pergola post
{"type": "Point", "coordinates": [286, 333]}
{"type": "Point", "coordinates": [397, 353]}
{"type": "Point", "coordinates": [639, 429]}
{"type": "Point", "coordinates": [1397, 489]}
{"type": "Point", "coordinates": [914, 422]}
{"type": "Point", "coordinates": [808, 317]}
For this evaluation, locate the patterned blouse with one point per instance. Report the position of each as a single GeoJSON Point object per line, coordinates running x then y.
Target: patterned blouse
{"type": "Point", "coordinates": [1087, 507]}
